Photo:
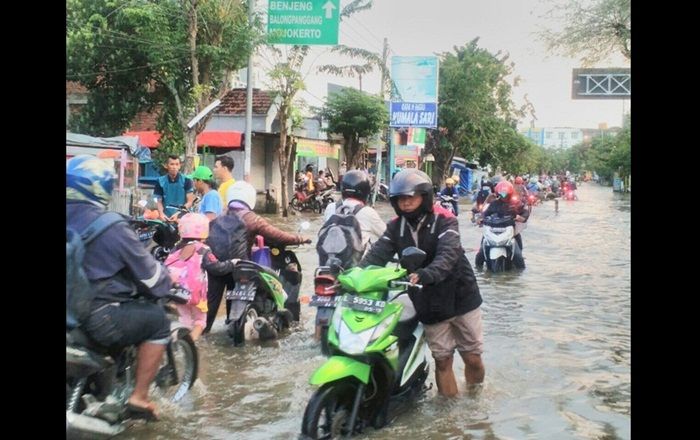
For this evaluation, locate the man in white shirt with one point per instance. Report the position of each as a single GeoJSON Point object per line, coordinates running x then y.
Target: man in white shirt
{"type": "Point", "coordinates": [355, 188]}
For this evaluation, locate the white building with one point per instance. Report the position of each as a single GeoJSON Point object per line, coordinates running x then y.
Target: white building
{"type": "Point", "coordinates": [554, 137]}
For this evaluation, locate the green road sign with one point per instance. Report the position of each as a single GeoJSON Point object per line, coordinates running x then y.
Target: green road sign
{"type": "Point", "coordinates": [303, 21]}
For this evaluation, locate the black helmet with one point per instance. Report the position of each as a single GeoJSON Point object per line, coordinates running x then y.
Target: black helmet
{"type": "Point", "coordinates": [409, 182]}
{"type": "Point", "coordinates": [355, 184]}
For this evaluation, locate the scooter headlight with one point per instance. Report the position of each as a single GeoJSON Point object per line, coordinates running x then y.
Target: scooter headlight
{"type": "Point", "coordinates": [380, 329]}
{"type": "Point", "coordinates": [353, 343]}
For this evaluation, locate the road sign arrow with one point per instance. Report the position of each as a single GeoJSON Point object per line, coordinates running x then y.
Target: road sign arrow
{"type": "Point", "coordinates": [329, 9]}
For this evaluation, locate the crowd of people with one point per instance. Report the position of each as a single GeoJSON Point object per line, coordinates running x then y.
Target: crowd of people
{"type": "Point", "coordinates": [119, 265]}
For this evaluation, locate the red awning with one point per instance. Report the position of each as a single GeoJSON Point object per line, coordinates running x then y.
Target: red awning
{"type": "Point", "coordinates": [214, 139]}
{"type": "Point", "coordinates": [146, 138]}
{"type": "Point", "coordinates": [220, 139]}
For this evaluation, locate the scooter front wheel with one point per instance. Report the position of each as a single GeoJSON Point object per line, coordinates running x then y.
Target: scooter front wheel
{"type": "Point", "coordinates": [327, 414]}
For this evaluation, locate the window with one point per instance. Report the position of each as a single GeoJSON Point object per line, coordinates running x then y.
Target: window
{"type": "Point", "coordinates": [561, 135]}
{"type": "Point", "coordinates": [549, 135]}
{"type": "Point", "coordinates": [574, 135]}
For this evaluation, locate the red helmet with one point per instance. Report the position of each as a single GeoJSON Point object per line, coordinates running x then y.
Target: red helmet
{"type": "Point", "coordinates": [504, 189]}
{"type": "Point", "coordinates": [518, 180]}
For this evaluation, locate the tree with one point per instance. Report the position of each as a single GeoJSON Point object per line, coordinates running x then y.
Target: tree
{"type": "Point", "coordinates": [287, 83]}
{"type": "Point", "coordinates": [477, 117]}
{"type": "Point", "coordinates": [592, 30]}
{"type": "Point", "coordinates": [133, 55]}
{"type": "Point", "coordinates": [371, 61]}
{"type": "Point", "coordinates": [354, 115]}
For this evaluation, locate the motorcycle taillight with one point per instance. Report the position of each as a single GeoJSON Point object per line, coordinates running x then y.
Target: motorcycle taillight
{"type": "Point", "coordinates": [325, 285]}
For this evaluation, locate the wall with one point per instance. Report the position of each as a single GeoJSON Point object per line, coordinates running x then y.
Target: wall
{"type": "Point", "coordinates": [235, 123]}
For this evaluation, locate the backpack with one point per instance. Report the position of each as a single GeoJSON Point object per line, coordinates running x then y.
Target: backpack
{"type": "Point", "coordinates": [185, 267]}
{"type": "Point", "coordinates": [341, 237]}
{"type": "Point", "coordinates": [228, 237]}
{"type": "Point", "coordinates": [79, 291]}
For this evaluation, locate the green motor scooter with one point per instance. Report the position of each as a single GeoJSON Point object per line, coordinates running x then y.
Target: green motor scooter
{"type": "Point", "coordinates": [378, 363]}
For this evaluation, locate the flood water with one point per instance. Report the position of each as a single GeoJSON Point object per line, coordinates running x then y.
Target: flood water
{"type": "Point", "coordinates": [556, 346]}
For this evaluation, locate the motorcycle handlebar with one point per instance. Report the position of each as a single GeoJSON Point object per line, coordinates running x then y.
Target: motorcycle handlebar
{"type": "Point", "coordinates": [407, 283]}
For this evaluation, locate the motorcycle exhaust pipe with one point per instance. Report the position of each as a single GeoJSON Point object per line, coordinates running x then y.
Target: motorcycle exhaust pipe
{"type": "Point", "coordinates": [265, 329]}
{"type": "Point", "coordinates": [80, 425]}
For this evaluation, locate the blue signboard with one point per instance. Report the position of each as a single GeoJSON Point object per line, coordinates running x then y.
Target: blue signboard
{"type": "Point", "coordinates": [416, 80]}
{"type": "Point", "coordinates": [413, 114]}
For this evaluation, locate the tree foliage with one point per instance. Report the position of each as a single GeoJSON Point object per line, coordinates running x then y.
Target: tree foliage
{"type": "Point", "coordinates": [477, 116]}
{"type": "Point", "coordinates": [354, 114]}
{"type": "Point", "coordinates": [604, 155]}
{"type": "Point", "coordinates": [592, 30]}
{"type": "Point", "coordinates": [371, 60]}
{"type": "Point", "coordinates": [131, 55]}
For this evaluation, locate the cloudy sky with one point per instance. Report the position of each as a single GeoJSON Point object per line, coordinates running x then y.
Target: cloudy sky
{"type": "Point", "coordinates": [428, 27]}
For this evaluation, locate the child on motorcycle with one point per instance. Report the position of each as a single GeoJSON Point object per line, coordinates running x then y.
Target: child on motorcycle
{"type": "Point", "coordinates": [188, 265]}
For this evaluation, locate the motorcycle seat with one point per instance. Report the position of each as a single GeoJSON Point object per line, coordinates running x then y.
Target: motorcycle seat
{"type": "Point", "coordinates": [81, 339]}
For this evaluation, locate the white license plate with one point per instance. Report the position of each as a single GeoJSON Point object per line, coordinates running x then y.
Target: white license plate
{"type": "Point", "coordinates": [364, 304]}
{"type": "Point", "coordinates": [241, 292]}
{"type": "Point", "coordinates": [323, 301]}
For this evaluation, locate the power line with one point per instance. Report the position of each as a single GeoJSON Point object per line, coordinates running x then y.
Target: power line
{"type": "Point", "coordinates": [371, 43]}
{"type": "Point", "coordinates": [367, 29]}
{"type": "Point", "coordinates": [73, 75]}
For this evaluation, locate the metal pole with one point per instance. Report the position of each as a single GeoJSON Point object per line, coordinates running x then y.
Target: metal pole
{"type": "Point", "coordinates": [248, 105]}
{"type": "Point", "coordinates": [390, 156]}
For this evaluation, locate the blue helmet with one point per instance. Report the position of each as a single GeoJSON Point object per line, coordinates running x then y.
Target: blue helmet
{"type": "Point", "coordinates": [89, 178]}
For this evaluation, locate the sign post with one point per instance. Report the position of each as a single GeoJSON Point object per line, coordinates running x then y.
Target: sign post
{"type": "Point", "coordinates": [309, 22]}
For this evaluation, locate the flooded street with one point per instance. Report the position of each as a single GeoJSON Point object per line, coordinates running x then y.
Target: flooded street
{"type": "Point", "coordinates": [556, 346]}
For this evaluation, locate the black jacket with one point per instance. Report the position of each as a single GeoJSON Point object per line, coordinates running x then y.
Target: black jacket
{"type": "Point", "coordinates": [511, 207]}
{"type": "Point", "coordinates": [449, 285]}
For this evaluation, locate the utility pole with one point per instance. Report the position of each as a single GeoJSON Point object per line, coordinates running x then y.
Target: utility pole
{"type": "Point", "coordinates": [249, 105]}
{"type": "Point", "coordinates": [377, 177]}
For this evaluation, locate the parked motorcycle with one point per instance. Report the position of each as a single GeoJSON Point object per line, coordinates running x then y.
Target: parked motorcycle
{"type": "Point", "coordinates": [325, 198]}
{"type": "Point", "coordinates": [99, 381]}
{"type": "Point", "coordinates": [302, 201]}
{"type": "Point", "coordinates": [378, 365]}
{"type": "Point", "coordinates": [159, 237]}
{"type": "Point", "coordinates": [499, 249]}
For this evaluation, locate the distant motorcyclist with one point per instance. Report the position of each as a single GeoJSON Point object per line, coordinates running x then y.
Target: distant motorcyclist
{"type": "Point", "coordinates": [520, 188]}
{"type": "Point", "coordinates": [451, 190]}
{"type": "Point", "coordinates": [507, 205]}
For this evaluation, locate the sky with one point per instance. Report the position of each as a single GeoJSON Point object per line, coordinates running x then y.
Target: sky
{"type": "Point", "coordinates": [430, 27]}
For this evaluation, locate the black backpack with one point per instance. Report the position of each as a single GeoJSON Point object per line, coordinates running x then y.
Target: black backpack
{"type": "Point", "coordinates": [79, 291]}
{"type": "Point", "coordinates": [341, 237]}
{"type": "Point", "coordinates": [228, 237]}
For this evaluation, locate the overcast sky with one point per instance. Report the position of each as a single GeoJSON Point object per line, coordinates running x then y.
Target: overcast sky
{"type": "Point", "coordinates": [428, 27]}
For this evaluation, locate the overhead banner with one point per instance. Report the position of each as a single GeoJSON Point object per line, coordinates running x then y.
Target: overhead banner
{"type": "Point", "coordinates": [415, 104]}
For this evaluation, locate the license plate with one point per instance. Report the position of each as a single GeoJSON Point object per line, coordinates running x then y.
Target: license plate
{"type": "Point", "coordinates": [241, 292]}
{"type": "Point", "coordinates": [323, 301]}
{"type": "Point", "coordinates": [364, 304]}
{"type": "Point", "coordinates": [147, 235]}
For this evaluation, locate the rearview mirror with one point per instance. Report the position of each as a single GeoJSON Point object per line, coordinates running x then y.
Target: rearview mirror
{"type": "Point", "coordinates": [412, 258]}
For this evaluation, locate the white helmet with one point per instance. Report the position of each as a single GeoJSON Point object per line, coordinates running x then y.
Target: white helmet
{"type": "Point", "coordinates": [242, 192]}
